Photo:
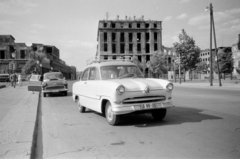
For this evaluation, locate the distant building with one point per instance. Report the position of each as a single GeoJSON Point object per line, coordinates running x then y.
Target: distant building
{"type": "Point", "coordinates": [127, 38]}
{"type": "Point", "coordinates": [8, 63]}
{"type": "Point", "coordinates": [236, 58]}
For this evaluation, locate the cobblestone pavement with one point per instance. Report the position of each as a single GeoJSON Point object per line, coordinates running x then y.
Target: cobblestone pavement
{"type": "Point", "coordinates": [18, 109]}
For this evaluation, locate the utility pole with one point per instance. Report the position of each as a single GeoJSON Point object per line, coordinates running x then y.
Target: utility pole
{"type": "Point", "coordinates": [212, 27]}
{"type": "Point", "coordinates": [179, 68]}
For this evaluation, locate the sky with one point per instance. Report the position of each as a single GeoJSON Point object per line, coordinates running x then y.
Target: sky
{"type": "Point", "coordinates": [71, 25]}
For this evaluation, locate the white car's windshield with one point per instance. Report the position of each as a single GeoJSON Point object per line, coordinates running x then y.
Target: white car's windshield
{"type": "Point", "coordinates": [53, 76]}
{"type": "Point", "coordinates": [120, 71]}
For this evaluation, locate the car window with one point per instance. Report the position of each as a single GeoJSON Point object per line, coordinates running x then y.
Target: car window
{"type": "Point", "coordinates": [117, 71]}
{"type": "Point", "coordinates": [93, 74]}
{"type": "Point", "coordinates": [55, 76]}
{"type": "Point", "coordinates": [85, 75]}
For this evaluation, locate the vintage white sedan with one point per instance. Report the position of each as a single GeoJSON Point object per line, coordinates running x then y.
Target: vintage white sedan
{"type": "Point", "coordinates": [115, 88]}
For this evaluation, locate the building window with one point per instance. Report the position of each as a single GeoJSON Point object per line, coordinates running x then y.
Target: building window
{"type": "Point", "coordinates": [105, 47]}
{"type": "Point", "coordinates": [139, 48]}
{"type": "Point", "coordinates": [155, 47]}
{"type": "Point", "coordinates": [2, 54]}
{"type": "Point", "coordinates": [140, 58]}
{"type": "Point", "coordinates": [155, 25]}
{"type": "Point", "coordinates": [147, 48]}
{"type": "Point", "coordinates": [130, 48]}
{"type": "Point", "coordinates": [105, 37]}
{"type": "Point", "coordinates": [122, 48]}
{"type": "Point", "coordinates": [113, 37]}
{"type": "Point", "coordinates": [105, 57]}
{"type": "Point", "coordinates": [113, 48]}
{"type": "Point", "coordinates": [155, 36]}
{"type": "Point", "coordinates": [113, 25]}
{"type": "Point", "coordinates": [138, 37]}
{"type": "Point", "coordinates": [130, 37]}
{"type": "Point", "coordinates": [138, 25]}
{"type": "Point", "coordinates": [147, 58]}
{"type": "Point", "coordinates": [114, 57]}
{"type": "Point", "coordinates": [146, 25]}
{"type": "Point", "coordinates": [122, 37]}
{"type": "Point", "coordinates": [147, 37]}
{"type": "Point", "coordinates": [104, 25]}
{"type": "Point", "coordinates": [22, 54]}
{"type": "Point", "coordinates": [130, 25]}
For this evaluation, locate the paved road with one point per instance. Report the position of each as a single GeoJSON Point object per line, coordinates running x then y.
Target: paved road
{"type": "Point", "coordinates": [204, 124]}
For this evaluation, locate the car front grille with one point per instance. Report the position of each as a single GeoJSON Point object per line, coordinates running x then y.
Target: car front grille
{"type": "Point", "coordinates": [54, 87]}
{"type": "Point", "coordinates": [144, 99]}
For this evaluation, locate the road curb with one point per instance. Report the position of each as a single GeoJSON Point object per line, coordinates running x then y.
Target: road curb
{"type": "Point", "coordinates": [35, 131]}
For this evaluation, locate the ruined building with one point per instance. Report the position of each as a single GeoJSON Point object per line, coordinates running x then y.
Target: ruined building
{"type": "Point", "coordinates": [9, 64]}
{"type": "Point", "coordinates": [128, 38]}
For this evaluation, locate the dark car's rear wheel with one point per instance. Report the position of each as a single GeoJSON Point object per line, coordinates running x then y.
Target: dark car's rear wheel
{"type": "Point", "coordinates": [112, 118]}
{"type": "Point", "coordinates": [159, 114]}
{"type": "Point", "coordinates": [80, 107]}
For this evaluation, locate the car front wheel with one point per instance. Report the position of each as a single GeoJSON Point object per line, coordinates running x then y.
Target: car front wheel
{"type": "Point", "coordinates": [159, 114]}
{"type": "Point", "coordinates": [80, 107]}
{"type": "Point", "coordinates": [112, 118]}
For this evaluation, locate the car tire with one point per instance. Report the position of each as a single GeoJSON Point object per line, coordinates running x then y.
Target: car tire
{"type": "Point", "coordinates": [112, 119]}
{"type": "Point", "coordinates": [80, 107]}
{"type": "Point", "coordinates": [44, 94]}
{"type": "Point", "coordinates": [159, 114]}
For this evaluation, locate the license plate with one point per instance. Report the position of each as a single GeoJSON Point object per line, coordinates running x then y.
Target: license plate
{"type": "Point", "coordinates": [150, 106]}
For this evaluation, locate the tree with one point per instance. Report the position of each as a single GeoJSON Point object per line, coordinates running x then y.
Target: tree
{"type": "Point", "coordinates": [225, 61]}
{"type": "Point", "coordinates": [34, 56]}
{"type": "Point", "coordinates": [201, 67]}
{"type": "Point", "coordinates": [188, 51]}
{"type": "Point", "coordinates": [158, 64]}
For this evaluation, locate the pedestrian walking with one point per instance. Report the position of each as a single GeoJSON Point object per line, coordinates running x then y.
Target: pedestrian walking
{"type": "Point", "coordinates": [20, 80]}
{"type": "Point", "coordinates": [13, 79]}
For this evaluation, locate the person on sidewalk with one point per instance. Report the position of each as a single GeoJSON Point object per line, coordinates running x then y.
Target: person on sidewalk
{"type": "Point", "coordinates": [20, 80]}
{"type": "Point", "coordinates": [13, 79]}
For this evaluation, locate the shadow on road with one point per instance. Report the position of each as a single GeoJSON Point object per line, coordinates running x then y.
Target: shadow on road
{"type": "Point", "coordinates": [175, 116]}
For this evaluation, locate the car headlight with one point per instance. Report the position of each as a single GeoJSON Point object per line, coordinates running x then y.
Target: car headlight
{"type": "Point", "coordinates": [44, 84]}
{"type": "Point", "coordinates": [120, 89]}
{"type": "Point", "coordinates": [169, 87]}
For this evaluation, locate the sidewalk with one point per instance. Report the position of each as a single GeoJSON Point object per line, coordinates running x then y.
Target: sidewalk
{"type": "Point", "coordinates": [226, 84]}
{"type": "Point", "coordinates": [18, 112]}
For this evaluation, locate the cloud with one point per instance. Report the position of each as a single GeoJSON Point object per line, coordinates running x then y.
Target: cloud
{"type": "Point", "coordinates": [184, 1]}
{"type": "Point", "coordinates": [167, 18]}
{"type": "Point", "coordinates": [16, 7]}
{"type": "Point", "coordinates": [182, 16]}
{"type": "Point", "coordinates": [218, 17]}
{"type": "Point", "coordinates": [175, 38]}
{"type": "Point", "coordinates": [6, 22]}
{"type": "Point", "coordinates": [79, 44]}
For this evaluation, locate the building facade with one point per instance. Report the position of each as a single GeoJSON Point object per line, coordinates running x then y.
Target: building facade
{"type": "Point", "coordinates": [236, 58]}
{"type": "Point", "coordinates": [127, 38]}
{"type": "Point", "coordinates": [23, 53]}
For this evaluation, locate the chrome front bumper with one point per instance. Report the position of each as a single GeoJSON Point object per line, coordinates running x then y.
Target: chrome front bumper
{"type": "Point", "coordinates": [54, 90]}
{"type": "Point", "coordinates": [126, 109]}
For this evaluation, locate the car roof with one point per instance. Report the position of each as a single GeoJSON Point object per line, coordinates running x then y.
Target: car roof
{"type": "Point", "coordinates": [107, 63]}
{"type": "Point", "coordinates": [48, 73]}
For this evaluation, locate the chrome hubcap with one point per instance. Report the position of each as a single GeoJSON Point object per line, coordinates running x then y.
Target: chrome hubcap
{"type": "Point", "coordinates": [109, 113]}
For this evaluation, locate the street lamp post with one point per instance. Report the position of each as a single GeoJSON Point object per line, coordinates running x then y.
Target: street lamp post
{"type": "Point", "coordinates": [212, 27]}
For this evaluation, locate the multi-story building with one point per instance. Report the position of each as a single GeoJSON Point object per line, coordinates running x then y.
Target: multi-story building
{"type": "Point", "coordinates": [128, 38]}
{"type": "Point", "coordinates": [23, 53]}
{"type": "Point", "coordinates": [236, 58]}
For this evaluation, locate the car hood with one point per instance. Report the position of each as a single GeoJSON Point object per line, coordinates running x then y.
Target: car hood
{"type": "Point", "coordinates": [55, 82]}
{"type": "Point", "coordinates": [135, 84]}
